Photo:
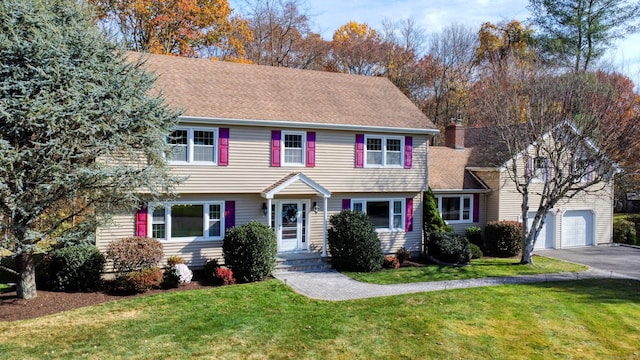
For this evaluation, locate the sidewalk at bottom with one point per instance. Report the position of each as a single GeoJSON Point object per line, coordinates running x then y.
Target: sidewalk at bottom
{"type": "Point", "coordinates": [334, 286]}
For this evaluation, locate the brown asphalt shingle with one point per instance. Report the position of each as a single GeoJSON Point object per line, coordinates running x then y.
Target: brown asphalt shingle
{"type": "Point", "coordinates": [215, 89]}
{"type": "Point", "coordinates": [447, 169]}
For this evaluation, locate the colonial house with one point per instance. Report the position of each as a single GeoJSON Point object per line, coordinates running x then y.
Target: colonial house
{"type": "Point", "coordinates": [472, 191]}
{"type": "Point", "coordinates": [287, 148]}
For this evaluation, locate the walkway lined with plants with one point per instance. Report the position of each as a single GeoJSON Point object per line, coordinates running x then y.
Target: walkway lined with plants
{"type": "Point", "coordinates": [334, 286]}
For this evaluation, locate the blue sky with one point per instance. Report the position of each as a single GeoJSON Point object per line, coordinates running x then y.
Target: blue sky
{"type": "Point", "coordinates": [433, 15]}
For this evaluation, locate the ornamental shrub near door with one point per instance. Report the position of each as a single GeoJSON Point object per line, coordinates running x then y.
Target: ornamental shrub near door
{"type": "Point", "coordinates": [250, 251]}
{"type": "Point", "coordinates": [354, 243]}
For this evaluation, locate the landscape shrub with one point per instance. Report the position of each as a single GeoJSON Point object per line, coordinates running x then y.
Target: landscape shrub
{"type": "Point", "coordinates": [209, 270]}
{"type": "Point", "coordinates": [354, 243]}
{"type": "Point", "coordinates": [140, 280]}
{"type": "Point", "coordinates": [624, 232]}
{"type": "Point", "coordinates": [75, 268]}
{"type": "Point", "coordinates": [175, 260]}
{"type": "Point", "coordinates": [503, 238]}
{"type": "Point", "coordinates": [474, 235]}
{"type": "Point", "coordinates": [449, 248]}
{"type": "Point", "coordinates": [134, 254]}
{"type": "Point", "coordinates": [170, 277]}
{"type": "Point", "coordinates": [250, 251]}
{"type": "Point", "coordinates": [431, 220]}
{"type": "Point", "coordinates": [476, 252]}
{"type": "Point", "coordinates": [402, 255]}
{"type": "Point", "coordinates": [391, 262]}
{"type": "Point", "coordinates": [224, 276]}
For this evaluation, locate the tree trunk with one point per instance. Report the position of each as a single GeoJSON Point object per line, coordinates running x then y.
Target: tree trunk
{"type": "Point", "coordinates": [526, 254]}
{"type": "Point", "coordinates": [26, 287]}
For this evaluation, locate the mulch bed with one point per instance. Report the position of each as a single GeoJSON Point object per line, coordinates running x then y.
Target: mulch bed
{"type": "Point", "coordinates": [52, 302]}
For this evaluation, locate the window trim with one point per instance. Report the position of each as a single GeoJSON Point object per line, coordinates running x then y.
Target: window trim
{"type": "Point", "coordinates": [191, 145]}
{"type": "Point", "coordinates": [391, 201]}
{"type": "Point", "coordinates": [205, 220]}
{"type": "Point", "coordinates": [384, 139]}
{"type": "Point", "coordinates": [303, 148]}
{"type": "Point", "coordinates": [461, 198]}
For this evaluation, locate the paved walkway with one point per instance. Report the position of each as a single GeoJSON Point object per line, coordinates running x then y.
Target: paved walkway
{"type": "Point", "coordinates": [332, 285]}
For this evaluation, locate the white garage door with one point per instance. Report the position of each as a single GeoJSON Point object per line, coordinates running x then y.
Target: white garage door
{"type": "Point", "coordinates": [546, 237]}
{"type": "Point", "coordinates": [577, 228]}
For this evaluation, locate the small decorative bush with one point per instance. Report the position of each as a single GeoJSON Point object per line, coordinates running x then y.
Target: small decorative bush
{"type": "Point", "coordinates": [174, 260]}
{"type": "Point", "coordinates": [75, 268]}
{"type": "Point", "coordinates": [353, 242]}
{"type": "Point", "coordinates": [503, 238]}
{"type": "Point", "coordinates": [476, 252]}
{"type": "Point", "coordinates": [624, 232]}
{"type": "Point", "coordinates": [449, 248]}
{"type": "Point", "coordinates": [140, 280]}
{"type": "Point", "coordinates": [170, 278]}
{"type": "Point", "coordinates": [133, 254]}
{"type": "Point", "coordinates": [209, 269]}
{"type": "Point", "coordinates": [391, 262]}
{"type": "Point", "coordinates": [224, 276]}
{"type": "Point", "coordinates": [474, 235]}
{"type": "Point", "coordinates": [402, 255]}
{"type": "Point", "coordinates": [250, 251]}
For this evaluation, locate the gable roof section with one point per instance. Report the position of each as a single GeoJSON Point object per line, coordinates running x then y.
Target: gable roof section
{"type": "Point", "coordinates": [212, 89]}
{"type": "Point", "coordinates": [291, 179]}
{"type": "Point", "coordinates": [448, 170]}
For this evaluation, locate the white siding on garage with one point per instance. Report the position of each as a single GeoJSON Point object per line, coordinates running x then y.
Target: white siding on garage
{"type": "Point", "coordinates": [547, 236]}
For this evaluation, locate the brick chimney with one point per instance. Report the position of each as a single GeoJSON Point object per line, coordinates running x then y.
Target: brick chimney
{"type": "Point", "coordinates": [454, 135]}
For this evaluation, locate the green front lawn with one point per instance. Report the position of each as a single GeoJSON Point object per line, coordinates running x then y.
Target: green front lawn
{"type": "Point", "coordinates": [480, 268]}
{"type": "Point", "coordinates": [587, 319]}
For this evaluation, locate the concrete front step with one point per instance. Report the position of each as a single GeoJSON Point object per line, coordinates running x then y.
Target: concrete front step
{"type": "Point", "coordinates": [301, 262]}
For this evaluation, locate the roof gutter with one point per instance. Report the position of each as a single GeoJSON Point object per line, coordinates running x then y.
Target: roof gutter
{"type": "Point", "coordinates": [306, 125]}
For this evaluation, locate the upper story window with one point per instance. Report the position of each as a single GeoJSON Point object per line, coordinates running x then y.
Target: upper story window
{"type": "Point", "coordinates": [193, 145]}
{"type": "Point", "coordinates": [456, 209]}
{"type": "Point", "coordinates": [385, 214]}
{"type": "Point", "coordinates": [539, 169]}
{"type": "Point", "coordinates": [293, 144]}
{"type": "Point", "coordinates": [384, 151]}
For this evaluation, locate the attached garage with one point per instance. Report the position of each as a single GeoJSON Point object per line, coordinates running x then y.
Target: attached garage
{"type": "Point", "coordinates": [577, 228]}
{"type": "Point", "coordinates": [546, 237]}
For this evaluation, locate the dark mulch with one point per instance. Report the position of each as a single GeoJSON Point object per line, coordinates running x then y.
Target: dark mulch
{"type": "Point", "coordinates": [52, 302]}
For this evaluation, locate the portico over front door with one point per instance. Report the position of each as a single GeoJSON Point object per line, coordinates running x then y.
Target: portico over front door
{"type": "Point", "coordinates": [292, 225]}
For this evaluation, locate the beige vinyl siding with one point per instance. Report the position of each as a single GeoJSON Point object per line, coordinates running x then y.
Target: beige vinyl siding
{"type": "Point", "coordinates": [491, 208]}
{"type": "Point", "coordinates": [250, 171]}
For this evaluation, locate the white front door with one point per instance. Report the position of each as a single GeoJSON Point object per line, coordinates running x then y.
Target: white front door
{"type": "Point", "coordinates": [291, 221]}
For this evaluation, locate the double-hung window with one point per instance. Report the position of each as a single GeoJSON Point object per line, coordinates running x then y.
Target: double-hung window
{"type": "Point", "coordinates": [193, 145]}
{"type": "Point", "coordinates": [385, 214]}
{"type": "Point", "coordinates": [384, 151]}
{"type": "Point", "coordinates": [293, 144]}
{"type": "Point", "coordinates": [188, 221]}
{"type": "Point", "coordinates": [455, 209]}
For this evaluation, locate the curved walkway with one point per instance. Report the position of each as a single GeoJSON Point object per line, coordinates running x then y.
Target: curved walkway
{"type": "Point", "coordinates": [334, 286]}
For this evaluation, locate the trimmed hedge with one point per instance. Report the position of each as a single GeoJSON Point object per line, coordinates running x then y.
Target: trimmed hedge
{"type": "Point", "coordinates": [449, 248]}
{"type": "Point", "coordinates": [75, 268]}
{"type": "Point", "coordinates": [476, 252]}
{"type": "Point", "coordinates": [624, 232]}
{"type": "Point", "coordinates": [354, 243]}
{"type": "Point", "coordinates": [503, 238]}
{"type": "Point", "coordinates": [250, 251]}
{"type": "Point", "coordinates": [133, 254]}
{"type": "Point", "coordinates": [474, 235]}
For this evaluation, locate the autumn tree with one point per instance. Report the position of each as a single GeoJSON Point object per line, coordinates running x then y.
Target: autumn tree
{"type": "Point", "coordinates": [502, 44]}
{"type": "Point", "coordinates": [575, 33]}
{"type": "Point", "coordinates": [357, 49]}
{"type": "Point", "coordinates": [75, 114]}
{"type": "Point", "coordinates": [447, 70]}
{"type": "Point", "coordinates": [193, 28]}
{"type": "Point", "coordinates": [547, 133]}
{"type": "Point", "coordinates": [402, 42]}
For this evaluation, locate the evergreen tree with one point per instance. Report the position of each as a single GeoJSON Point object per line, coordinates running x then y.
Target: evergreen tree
{"type": "Point", "coordinates": [80, 134]}
{"type": "Point", "coordinates": [432, 221]}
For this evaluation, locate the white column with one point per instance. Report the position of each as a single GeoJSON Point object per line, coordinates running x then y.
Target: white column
{"type": "Point", "coordinates": [269, 212]}
{"type": "Point", "coordinates": [324, 228]}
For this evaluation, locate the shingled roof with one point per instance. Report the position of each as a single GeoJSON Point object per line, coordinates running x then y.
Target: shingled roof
{"type": "Point", "coordinates": [222, 90]}
{"type": "Point", "coordinates": [447, 169]}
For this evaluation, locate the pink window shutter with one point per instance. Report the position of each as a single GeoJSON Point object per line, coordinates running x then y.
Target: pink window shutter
{"type": "Point", "coordinates": [476, 208]}
{"type": "Point", "coordinates": [311, 149]}
{"type": "Point", "coordinates": [359, 150]}
{"type": "Point", "coordinates": [223, 147]}
{"type": "Point", "coordinates": [409, 215]}
{"type": "Point", "coordinates": [408, 152]}
{"type": "Point", "coordinates": [141, 222]}
{"type": "Point", "coordinates": [276, 136]}
{"type": "Point", "coordinates": [528, 167]}
{"type": "Point", "coordinates": [229, 214]}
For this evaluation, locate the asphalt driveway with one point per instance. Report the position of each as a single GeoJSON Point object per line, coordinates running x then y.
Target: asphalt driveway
{"type": "Point", "coordinates": [623, 260]}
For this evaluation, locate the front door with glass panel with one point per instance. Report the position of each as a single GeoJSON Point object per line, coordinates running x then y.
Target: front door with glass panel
{"type": "Point", "coordinates": [291, 220]}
